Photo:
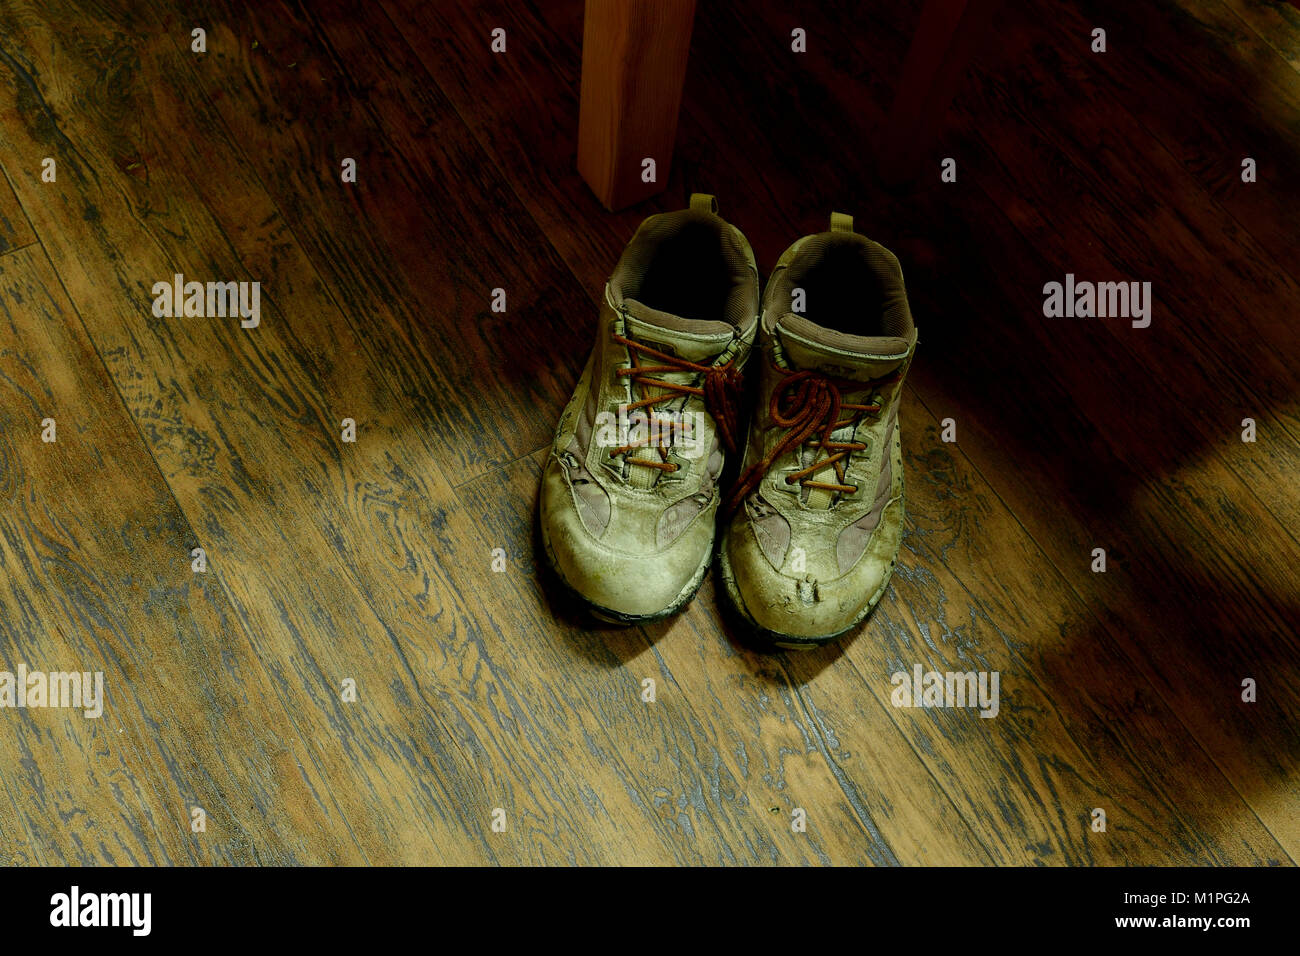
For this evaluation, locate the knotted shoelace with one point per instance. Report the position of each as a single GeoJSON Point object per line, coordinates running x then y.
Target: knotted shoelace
{"type": "Point", "coordinates": [719, 389]}
{"type": "Point", "coordinates": [808, 405]}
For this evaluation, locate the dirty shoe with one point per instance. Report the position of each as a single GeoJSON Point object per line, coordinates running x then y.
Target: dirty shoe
{"type": "Point", "coordinates": [814, 522]}
{"type": "Point", "coordinates": [630, 491]}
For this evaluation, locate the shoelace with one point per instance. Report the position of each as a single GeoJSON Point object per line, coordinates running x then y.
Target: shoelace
{"type": "Point", "coordinates": [719, 389]}
{"type": "Point", "coordinates": [805, 404]}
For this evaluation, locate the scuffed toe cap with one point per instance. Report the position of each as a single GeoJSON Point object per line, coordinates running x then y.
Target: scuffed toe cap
{"type": "Point", "coordinates": [624, 584]}
{"type": "Point", "coordinates": [800, 608]}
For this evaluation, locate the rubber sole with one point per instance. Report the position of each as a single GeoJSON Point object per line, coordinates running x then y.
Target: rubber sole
{"type": "Point", "coordinates": [609, 616]}
{"type": "Point", "coordinates": [791, 642]}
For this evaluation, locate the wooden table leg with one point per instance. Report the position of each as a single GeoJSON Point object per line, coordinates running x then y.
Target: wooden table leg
{"type": "Point", "coordinates": [633, 68]}
{"type": "Point", "coordinates": [947, 37]}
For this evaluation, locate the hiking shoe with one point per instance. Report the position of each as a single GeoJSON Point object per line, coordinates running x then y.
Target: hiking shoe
{"type": "Point", "coordinates": [630, 491]}
{"type": "Point", "coordinates": [815, 519]}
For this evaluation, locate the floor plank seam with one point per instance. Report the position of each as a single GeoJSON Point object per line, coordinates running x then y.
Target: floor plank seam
{"type": "Point", "coordinates": [9, 250]}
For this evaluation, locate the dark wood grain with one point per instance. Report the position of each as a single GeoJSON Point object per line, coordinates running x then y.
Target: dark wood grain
{"type": "Point", "coordinates": [440, 229]}
{"type": "Point", "coordinates": [15, 230]}
{"type": "Point", "coordinates": [948, 34]}
{"type": "Point", "coordinates": [1276, 23]}
{"type": "Point", "coordinates": [247, 439]}
{"type": "Point", "coordinates": [735, 740]}
{"type": "Point", "coordinates": [755, 41]}
{"type": "Point", "coordinates": [1249, 106]}
{"type": "Point", "coordinates": [95, 576]}
{"type": "Point", "coordinates": [373, 560]}
{"type": "Point", "coordinates": [1087, 443]}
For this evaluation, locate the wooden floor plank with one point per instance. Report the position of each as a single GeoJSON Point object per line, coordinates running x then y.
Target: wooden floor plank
{"type": "Point", "coordinates": [97, 578]}
{"type": "Point", "coordinates": [1274, 22]}
{"type": "Point", "coordinates": [1219, 346]}
{"type": "Point", "coordinates": [507, 133]}
{"type": "Point", "coordinates": [1088, 439]}
{"type": "Point", "coordinates": [1199, 585]}
{"type": "Point", "coordinates": [1246, 592]}
{"type": "Point", "coordinates": [768, 744]}
{"type": "Point", "coordinates": [1070, 691]}
{"type": "Point", "coordinates": [394, 503]}
{"type": "Point", "coordinates": [373, 560]}
{"type": "Point", "coordinates": [249, 445]}
{"type": "Point", "coordinates": [509, 735]}
{"type": "Point", "coordinates": [441, 232]}
{"type": "Point", "coordinates": [1252, 107]}
{"type": "Point", "coordinates": [15, 230]}
{"type": "Point", "coordinates": [531, 135]}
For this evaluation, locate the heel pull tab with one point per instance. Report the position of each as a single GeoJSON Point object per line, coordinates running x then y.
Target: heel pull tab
{"type": "Point", "coordinates": [704, 202]}
{"type": "Point", "coordinates": [841, 222]}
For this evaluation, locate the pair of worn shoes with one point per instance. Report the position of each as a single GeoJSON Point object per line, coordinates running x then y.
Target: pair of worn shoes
{"type": "Point", "coordinates": [631, 492]}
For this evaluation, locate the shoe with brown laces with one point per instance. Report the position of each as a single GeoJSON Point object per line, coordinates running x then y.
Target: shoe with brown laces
{"type": "Point", "coordinates": [817, 513]}
{"type": "Point", "coordinates": [630, 491]}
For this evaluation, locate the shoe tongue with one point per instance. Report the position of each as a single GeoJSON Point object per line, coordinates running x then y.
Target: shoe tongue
{"type": "Point", "coordinates": [807, 345]}
{"type": "Point", "coordinates": [698, 341]}
{"type": "Point", "coordinates": [695, 340]}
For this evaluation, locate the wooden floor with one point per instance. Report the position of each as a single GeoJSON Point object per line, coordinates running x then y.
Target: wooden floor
{"type": "Point", "coordinates": [373, 561]}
